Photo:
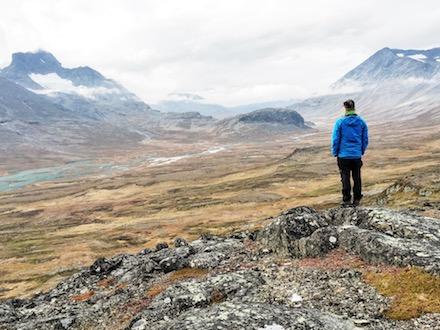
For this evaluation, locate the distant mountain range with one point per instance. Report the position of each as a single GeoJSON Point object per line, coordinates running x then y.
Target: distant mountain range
{"type": "Point", "coordinates": [43, 103]}
{"type": "Point", "coordinates": [391, 85]}
{"type": "Point", "coordinates": [47, 107]}
{"type": "Point", "coordinates": [391, 64]}
{"type": "Point", "coordinates": [26, 69]}
{"type": "Point", "coordinates": [188, 102]}
{"type": "Point", "coordinates": [81, 89]}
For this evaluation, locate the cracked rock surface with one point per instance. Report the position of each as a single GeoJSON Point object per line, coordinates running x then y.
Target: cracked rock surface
{"type": "Point", "coordinates": [249, 280]}
{"type": "Point", "coordinates": [376, 235]}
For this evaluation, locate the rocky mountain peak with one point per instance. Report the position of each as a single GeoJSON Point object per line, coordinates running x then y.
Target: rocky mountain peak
{"type": "Point", "coordinates": [394, 64]}
{"type": "Point", "coordinates": [25, 65]}
{"type": "Point", "coordinates": [38, 62]}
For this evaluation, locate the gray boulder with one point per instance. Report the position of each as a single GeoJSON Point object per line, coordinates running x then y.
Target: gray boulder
{"type": "Point", "coordinates": [104, 266]}
{"type": "Point", "coordinates": [376, 235]}
{"type": "Point", "coordinates": [242, 315]}
{"type": "Point", "coordinates": [284, 233]}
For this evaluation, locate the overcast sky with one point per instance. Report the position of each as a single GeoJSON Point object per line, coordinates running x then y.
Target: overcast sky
{"type": "Point", "coordinates": [230, 52]}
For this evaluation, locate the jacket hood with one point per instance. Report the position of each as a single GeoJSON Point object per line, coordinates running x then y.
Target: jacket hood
{"type": "Point", "coordinates": [352, 120]}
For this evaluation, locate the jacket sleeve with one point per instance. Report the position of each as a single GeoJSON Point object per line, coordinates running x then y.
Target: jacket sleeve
{"type": "Point", "coordinates": [336, 138]}
{"type": "Point", "coordinates": [364, 138]}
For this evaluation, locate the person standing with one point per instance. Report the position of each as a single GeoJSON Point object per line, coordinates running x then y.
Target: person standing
{"type": "Point", "coordinates": [349, 143]}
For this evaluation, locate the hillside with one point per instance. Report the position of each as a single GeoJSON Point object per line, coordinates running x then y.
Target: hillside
{"type": "Point", "coordinates": [261, 124]}
{"type": "Point", "coordinates": [303, 270]}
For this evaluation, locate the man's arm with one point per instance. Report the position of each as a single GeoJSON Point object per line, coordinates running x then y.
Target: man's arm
{"type": "Point", "coordinates": [336, 138]}
{"type": "Point", "coordinates": [364, 138]}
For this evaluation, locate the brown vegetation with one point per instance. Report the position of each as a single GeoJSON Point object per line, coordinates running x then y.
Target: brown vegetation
{"type": "Point", "coordinates": [413, 291]}
{"type": "Point", "coordinates": [176, 276]}
{"type": "Point", "coordinates": [49, 231]}
{"type": "Point", "coordinates": [106, 282]}
{"type": "Point", "coordinates": [83, 297]}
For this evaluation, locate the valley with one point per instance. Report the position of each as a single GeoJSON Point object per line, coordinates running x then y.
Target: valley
{"type": "Point", "coordinates": [88, 175]}
{"type": "Point", "coordinates": [52, 228]}
{"type": "Point", "coordinates": [169, 165]}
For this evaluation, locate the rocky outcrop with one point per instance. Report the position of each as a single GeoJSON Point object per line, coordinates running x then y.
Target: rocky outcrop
{"type": "Point", "coordinates": [299, 232]}
{"type": "Point", "coordinates": [260, 124]}
{"type": "Point", "coordinates": [239, 315]}
{"type": "Point", "coordinates": [376, 235]}
{"type": "Point", "coordinates": [238, 282]}
{"type": "Point", "coordinates": [420, 189]}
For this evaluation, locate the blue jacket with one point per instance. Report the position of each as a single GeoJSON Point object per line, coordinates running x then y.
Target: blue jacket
{"type": "Point", "coordinates": [350, 137]}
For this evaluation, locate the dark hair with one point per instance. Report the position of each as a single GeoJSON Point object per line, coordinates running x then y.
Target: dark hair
{"type": "Point", "coordinates": [349, 105]}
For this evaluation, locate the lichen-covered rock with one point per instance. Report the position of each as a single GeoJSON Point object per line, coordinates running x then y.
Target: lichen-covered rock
{"type": "Point", "coordinates": [376, 235]}
{"type": "Point", "coordinates": [172, 263]}
{"type": "Point", "coordinates": [104, 266]}
{"type": "Point", "coordinates": [243, 285]}
{"type": "Point", "coordinates": [206, 260]}
{"type": "Point", "coordinates": [284, 232]}
{"type": "Point", "coordinates": [178, 242]}
{"type": "Point", "coordinates": [379, 248]}
{"type": "Point", "coordinates": [161, 246]}
{"type": "Point", "coordinates": [341, 291]}
{"type": "Point", "coordinates": [8, 314]}
{"type": "Point", "coordinates": [240, 315]}
{"type": "Point", "coordinates": [317, 244]}
{"type": "Point", "coordinates": [390, 237]}
{"type": "Point", "coordinates": [210, 253]}
{"type": "Point", "coordinates": [389, 222]}
{"type": "Point", "coordinates": [200, 293]}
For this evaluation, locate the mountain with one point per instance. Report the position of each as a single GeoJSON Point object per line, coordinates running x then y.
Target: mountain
{"type": "Point", "coordinates": [47, 110]}
{"type": "Point", "coordinates": [260, 124]}
{"type": "Point", "coordinates": [47, 107]}
{"type": "Point", "coordinates": [394, 64]}
{"type": "Point", "coordinates": [187, 102]}
{"type": "Point", "coordinates": [393, 85]}
{"type": "Point", "coordinates": [83, 89]}
{"type": "Point", "coordinates": [27, 68]}
{"type": "Point", "coordinates": [29, 120]}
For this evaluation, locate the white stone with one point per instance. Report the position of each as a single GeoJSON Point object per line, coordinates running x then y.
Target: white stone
{"type": "Point", "coordinates": [296, 298]}
{"type": "Point", "coordinates": [272, 327]}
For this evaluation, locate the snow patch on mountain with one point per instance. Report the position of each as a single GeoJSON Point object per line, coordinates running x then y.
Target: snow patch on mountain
{"type": "Point", "coordinates": [418, 57]}
{"type": "Point", "coordinates": [52, 83]}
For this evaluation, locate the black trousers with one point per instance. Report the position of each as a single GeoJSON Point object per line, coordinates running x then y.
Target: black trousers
{"type": "Point", "coordinates": [347, 168]}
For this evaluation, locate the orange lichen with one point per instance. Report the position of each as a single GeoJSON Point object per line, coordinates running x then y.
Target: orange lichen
{"type": "Point", "coordinates": [106, 282]}
{"type": "Point", "coordinates": [177, 276]}
{"type": "Point", "coordinates": [83, 297]}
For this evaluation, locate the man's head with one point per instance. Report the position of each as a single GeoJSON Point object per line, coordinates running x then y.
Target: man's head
{"type": "Point", "coordinates": [349, 105]}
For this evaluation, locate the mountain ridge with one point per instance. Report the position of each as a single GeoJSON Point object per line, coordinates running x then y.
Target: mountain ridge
{"type": "Point", "coordinates": [43, 62]}
{"type": "Point", "coordinates": [395, 63]}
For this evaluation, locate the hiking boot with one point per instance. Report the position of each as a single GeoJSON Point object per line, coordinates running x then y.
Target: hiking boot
{"type": "Point", "coordinates": [356, 202]}
{"type": "Point", "coordinates": [346, 204]}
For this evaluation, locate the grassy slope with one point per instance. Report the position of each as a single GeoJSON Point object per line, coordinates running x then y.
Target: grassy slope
{"type": "Point", "coordinates": [50, 230]}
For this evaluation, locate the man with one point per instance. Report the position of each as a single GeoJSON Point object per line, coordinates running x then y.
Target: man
{"type": "Point", "coordinates": [349, 142]}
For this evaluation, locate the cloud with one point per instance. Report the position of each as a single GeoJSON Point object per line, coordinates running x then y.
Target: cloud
{"type": "Point", "coordinates": [229, 52]}
{"type": "Point", "coordinates": [53, 83]}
